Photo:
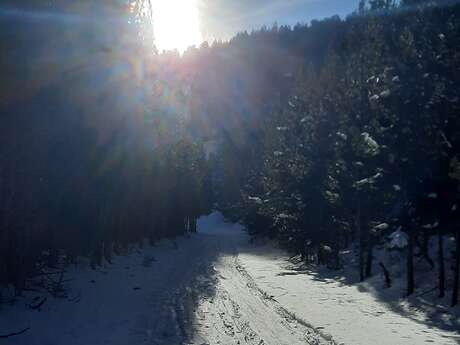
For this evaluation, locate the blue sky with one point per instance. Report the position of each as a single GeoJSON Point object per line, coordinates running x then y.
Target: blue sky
{"type": "Point", "coordinates": [223, 18]}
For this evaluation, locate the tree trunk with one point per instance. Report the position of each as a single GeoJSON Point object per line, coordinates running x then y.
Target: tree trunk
{"type": "Point", "coordinates": [410, 263]}
{"type": "Point", "coordinates": [386, 274]}
{"type": "Point", "coordinates": [361, 243]}
{"type": "Point", "coordinates": [442, 275]}
{"type": "Point", "coordinates": [336, 256]}
{"type": "Point", "coordinates": [303, 256]}
{"type": "Point", "coordinates": [96, 255]}
{"type": "Point", "coordinates": [456, 269]}
{"type": "Point", "coordinates": [424, 249]}
{"type": "Point", "coordinates": [187, 224]}
{"type": "Point", "coordinates": [369, 258]}
{"type": "Point", "coordinates": [108, 252]}
{"type": "Point", "coordinates": [193, 224]}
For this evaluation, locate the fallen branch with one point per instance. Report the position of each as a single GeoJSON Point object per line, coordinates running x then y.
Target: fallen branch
{"type": "Point", "coordinates": [2, 336]}
{"type": "Point", "coordinates": [75, 299]}
{"type": "Point", "coordinates": [38, 305]}
{"type": "Point", "coordinates": [427, 291]}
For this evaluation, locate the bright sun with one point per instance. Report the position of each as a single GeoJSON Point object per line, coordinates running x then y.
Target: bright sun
{"type": "Point", "coordinates": [176, 24]}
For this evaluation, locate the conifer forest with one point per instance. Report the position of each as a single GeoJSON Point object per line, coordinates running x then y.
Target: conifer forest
{"type": "Point", "coordinates": [328, 148]}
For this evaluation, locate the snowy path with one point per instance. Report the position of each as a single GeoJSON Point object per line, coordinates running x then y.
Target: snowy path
{"type": "Point", "coordinates": [241, 313]}
{"type": "Point", "coordinates": [214, 288]}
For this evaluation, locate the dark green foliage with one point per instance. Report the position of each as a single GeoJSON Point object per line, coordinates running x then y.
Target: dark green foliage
{"type": "Point", "coordinates": [327, 134]}
{"type": "Point", "coordinates": [337, 131]}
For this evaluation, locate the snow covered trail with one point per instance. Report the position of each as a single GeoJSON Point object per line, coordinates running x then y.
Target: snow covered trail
{"type": "Point", "coordinates": [194, 292]}
{"type": "Point", "coordinates": [241, 313]}
{"type": "Point", "coordinates": [212, 288]}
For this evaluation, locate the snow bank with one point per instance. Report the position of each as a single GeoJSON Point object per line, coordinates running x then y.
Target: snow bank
{"type": "Point", "coordinates": [130, 302]}
{"type": "Point", "coordinates": [351, 314]}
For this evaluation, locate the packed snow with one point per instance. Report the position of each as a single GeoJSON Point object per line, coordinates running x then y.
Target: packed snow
{"type": "Point", "coordinates": [215, 287]}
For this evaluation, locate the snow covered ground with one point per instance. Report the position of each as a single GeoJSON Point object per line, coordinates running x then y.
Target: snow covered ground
{"type": "Point", "coordinates": [350, 314]}
{"type": "Point", "coordinates": [214, 288]}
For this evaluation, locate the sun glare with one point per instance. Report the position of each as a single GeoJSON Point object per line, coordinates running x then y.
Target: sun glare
{"type": "Point", "coordinates": [176, 24]}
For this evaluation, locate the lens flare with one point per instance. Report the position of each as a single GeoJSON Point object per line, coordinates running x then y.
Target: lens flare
{"type": "Point", "coordinates": [176, 24]}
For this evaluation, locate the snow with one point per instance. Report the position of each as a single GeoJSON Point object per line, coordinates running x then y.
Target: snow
{"type": "Point", "coordinates": [342, 135]}
{"type": "Point", "coordinates": [385, 94]}
{"type": "Point", "coordinates": [214, 287]}
{"type": "Point", "coordinates": [285, 216]}
{"type": "Point", "coordinates": [332, 197]}
{"type": "Point", "coordinates": [123, 303]}
{"type": "Point", "coordinates": [382, 226]}
{"type": "Point", "coordinates": [256, 199]}
{"type": "Point", "coordinates": [398, 239]}
{"type": "Point", "coordinates": [371, 146]}
{"type": "Point", "coordinates": [445, 141]}
{"type": "Point", "coordinates": [348, 313]}
{"type": "Point", "coordinates": [367, 181]}
{"type": "Point", "coordinates": [374, 98]}
{"type": "Point", "coordinates": [430, 226]}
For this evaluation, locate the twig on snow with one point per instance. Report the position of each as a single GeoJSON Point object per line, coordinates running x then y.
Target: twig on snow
{"type": "Point", "coordinates": [38, 305]}
{"type": "Point", "coordinates": [2, 336]}
{"type": "Point", "coordinates": [427, 291]}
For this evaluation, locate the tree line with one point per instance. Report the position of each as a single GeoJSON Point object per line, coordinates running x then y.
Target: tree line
{"type": "Point", "coordinates": [339, 132]}
{"type": "Point", "coordinates": [94, 156]}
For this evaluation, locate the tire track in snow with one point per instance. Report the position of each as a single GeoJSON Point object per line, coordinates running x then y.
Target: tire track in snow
{"type": "Point", "coordinates": [216, 301]}
{"type": "Point", "coordinates": [241, 313]}
{"type": "Point", "coordinates": [286, 314]}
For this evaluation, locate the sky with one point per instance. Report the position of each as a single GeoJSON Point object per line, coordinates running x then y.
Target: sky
{"type": "Point", "coordinates": [179, 24]}
{"type": "Point", "coordinates": [221, 19]}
